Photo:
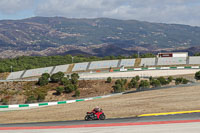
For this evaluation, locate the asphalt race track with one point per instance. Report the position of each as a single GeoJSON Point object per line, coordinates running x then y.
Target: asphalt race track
{"type": "Point", "coordinates": [182, 123]}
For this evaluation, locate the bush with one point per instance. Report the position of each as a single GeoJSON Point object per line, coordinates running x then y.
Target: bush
{"type": "Point", "coordinates": [133, 84]}
{"type": "Point", "coordinates": [60, 90]}
{"type": "Point", "coordinates": [150, 78]}
{"type": "Point", "coordinates": [65, 81]}
{"type": "Point", "coordinates": [178, 81]}
{"type": "Point", "coordinates": [181, 81]}
{"type": "Point", "coordinates": [43, 81]}
{"type": "Point", "coordinates": [31, 99]}
{"type": "Point", "coordinates": [120, 85]}
{"type": "Point", "coordinates": [77, 93]}
{"type": "Point", "coordinates": [163, 81]}
{"type": "Point", "coordinates": [137, 78]}
{"type": "Point", "coordinates": [118, 88]}
{"type": "Point", "coordinates": [74, 78]}
{"type": "Point", "coordinates": [109, 80]}
{"type": "Point", "coordinates": [144, 84]}
{"type": "Point", "coordinates": [69, 88]}
{"type": "Point", "coordinates": [197, 75]}
{"type": "Point", "coordinates": [57, 77]}
{"type": "Point", "coordinates": [46, 75]}
{"type": "Point", "coordinates": [170, 78]}
{"type": "Point", "coordinates": [185, 81]}
{"type": "Point", "coordinates": [155, 83]}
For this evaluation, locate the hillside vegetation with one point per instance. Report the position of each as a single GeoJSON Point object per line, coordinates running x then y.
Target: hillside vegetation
{"type": "Point", "coordinates": [41, 33]}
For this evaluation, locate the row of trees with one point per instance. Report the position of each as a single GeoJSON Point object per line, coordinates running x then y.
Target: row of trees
{"type": "Point", "coordinates": [32, 62]}
{"type": "Point", "coordinates": [121, 84]}
{"type": "Point", "coordinates": [66, 85]}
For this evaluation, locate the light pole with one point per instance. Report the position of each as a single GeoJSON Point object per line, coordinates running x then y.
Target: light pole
{"type": "Point", "coordinates": [72, 59]}
{"type": "Point", "coordinates": [11, 68]}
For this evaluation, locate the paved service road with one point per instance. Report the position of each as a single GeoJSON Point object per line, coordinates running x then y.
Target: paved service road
{"type": "Point", "coordinates": [182, 123]}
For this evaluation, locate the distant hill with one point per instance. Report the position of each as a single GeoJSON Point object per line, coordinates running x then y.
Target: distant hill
{"type": "Point", "coordinates": [34, 36]}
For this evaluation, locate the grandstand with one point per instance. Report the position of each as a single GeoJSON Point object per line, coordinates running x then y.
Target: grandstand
{"type": "Point", "coordinates": [61, 68]}
{"type": "Point", "coordinates": [148, 61]}
{"type": "Point", "coordinates": [103, 64]}
{"type": "Point", "coordinates": [80, 66]}
{"type": "Point", "coordinates": [37, 72]}
{"type": "Point", "coordinates": [194, 60]}
{"type": "Point", "coordinates": [15, 75]}
{"type": "Point", "coordinates": [106, 64]}
{"type": "Point", "coordinates": [172, 61]}
{"type": "Point", "coordinates": [127, 62]}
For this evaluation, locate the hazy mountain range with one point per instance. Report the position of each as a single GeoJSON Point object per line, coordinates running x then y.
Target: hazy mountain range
{"type": "Point", "coordinates": [100, 37]}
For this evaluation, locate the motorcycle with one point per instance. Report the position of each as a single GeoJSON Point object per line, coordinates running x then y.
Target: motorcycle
{"type": "Point", "coordinates": [95, 116]}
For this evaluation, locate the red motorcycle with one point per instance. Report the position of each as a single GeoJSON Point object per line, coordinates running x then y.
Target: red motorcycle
{"type": "Point", "coordinates": [94, 115]}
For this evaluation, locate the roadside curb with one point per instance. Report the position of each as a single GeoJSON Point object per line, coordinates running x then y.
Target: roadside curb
{"type": "Point", "coordinates": [169, 113]}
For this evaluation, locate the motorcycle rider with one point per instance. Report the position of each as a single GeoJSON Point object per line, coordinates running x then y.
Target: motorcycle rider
{"type": "Point", "coordinates": [96, 109]}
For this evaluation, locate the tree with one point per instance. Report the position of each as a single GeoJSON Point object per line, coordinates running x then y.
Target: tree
{"type": "Point", "coordinates": [70, 88]}
{"type": "Point", "coordinates": [46, 75]}
{"type": "Point", "coordinates": [144, 84]}
{"type": "Point", "coordinates": [60, 90]}
{"type": "Point", "coordinates": [155, 83]}
{"type": "Point", "coordinates": [197, 75]}
{"type": "Point", "coordinates": [57, 77]}
{"type": "Point", "coordinates": [133, 83]}
{"type": "Point", "coordinates": [65, 81]}
{"type": "Point", "coordinates": [43, 81]}
{"type": "Point", "coordinates": [74, 78]}
{"type": "Point", "coordinates": [109, 80]}
{"type": "Point", "coordinates": [178, 81]}
{"type": "Point", "coordinates": [137, 78]}
{"type": "Point", "coordinates": [163, 81]}
{"type": "Point", "coordinates": [170, 78]}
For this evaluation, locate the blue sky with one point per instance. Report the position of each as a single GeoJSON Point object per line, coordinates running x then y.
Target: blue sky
{"type": "Point", "coordinates": [164, 11]}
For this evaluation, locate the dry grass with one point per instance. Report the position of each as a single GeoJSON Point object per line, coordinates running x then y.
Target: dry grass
{"type": "Point", "coordinates": [167, 100]}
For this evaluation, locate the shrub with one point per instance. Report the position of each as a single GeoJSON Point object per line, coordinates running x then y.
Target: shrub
{"type": "Point", "coordinates": [57, 77]}
{"type": "Point", "coordinates": [137, 78]}
{"type": "Point", "coordinates": [163, 81]}
{"type": "Point", "coordinates": [109, 80]}
{"type": "Point", "coordinates": [69, 88]}
{"type": "Point", "coordinates": [43, 81]}
{"type": "Point", "coordinates": [31, 99]}
{"type": "Point", "coordinates": [185, 81]}
{"type": "Point", "coordinates": [118, 88]}
{"type": "Point", "coordinates": [65, 81]}
{"type": "Point", "coordinates": [77, 93]}
{"type": "Point", "coordinates": [133, 84]}
{"type": "Point", "coordinates": [144, 84]}
{"type": "Point", "coordinates": [170, 78]}
{"type": "Point", "coordinates": [5, 101]}
{"type": "Point", "coordinates": [150, 78]}
{"type": "Point", "coordinates": [155, 83]}
{"type": "Point", "coordinates": [60, 90]}
{"type": "Point", "coordinates": [197, 75]}
{"type": "Point", "coordinates": [46, 75]}
{"type": "Point", "coordinates": [74, 78]}
{"type": "Point", "coordinates": [178, 81]}
{"type": "Point", "coordinates": [181, 81]}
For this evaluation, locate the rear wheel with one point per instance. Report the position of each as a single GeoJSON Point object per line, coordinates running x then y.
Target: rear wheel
{"type": "Point", "coordinates": [102, 117]}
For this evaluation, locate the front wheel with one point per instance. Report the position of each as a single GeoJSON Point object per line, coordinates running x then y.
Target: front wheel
{"type": "Point", "coordinates": [87, 118]}
{"type": "Point", "coordinates": [102, 117]}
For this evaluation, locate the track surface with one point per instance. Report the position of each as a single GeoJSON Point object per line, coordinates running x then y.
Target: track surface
{"type": "Point", "coordinates": [181, 123]}
{"type": "Point", "coordinates": [192, 116]}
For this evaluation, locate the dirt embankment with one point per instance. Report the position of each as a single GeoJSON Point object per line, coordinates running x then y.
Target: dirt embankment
{"type": "Point", "coordinates": [15, 92]}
